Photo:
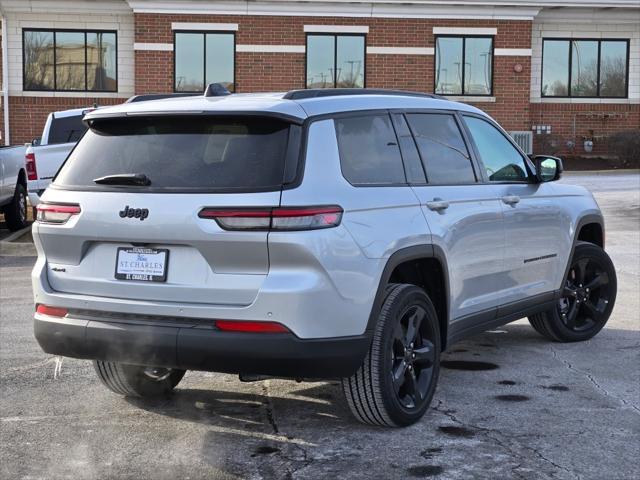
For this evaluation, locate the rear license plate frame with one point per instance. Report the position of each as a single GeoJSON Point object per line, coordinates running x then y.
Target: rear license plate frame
{"type": "Point", "coordinates": [142, 276]}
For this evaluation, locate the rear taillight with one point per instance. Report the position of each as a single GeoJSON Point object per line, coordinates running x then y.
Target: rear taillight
{"type": "Point", "coordinates": [279, 218]}
{"type": "Point", "coordinates": [250, 327]}
{"type": "Point", "coordinates": [30, 164]}
{"type": "Point", "coordinates": [51, 311]}
{"type": "Point", "coordinates": [56, 213]}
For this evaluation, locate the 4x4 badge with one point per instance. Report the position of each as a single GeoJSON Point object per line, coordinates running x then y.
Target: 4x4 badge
{"type": "Point", "coordinates": [140, 213]}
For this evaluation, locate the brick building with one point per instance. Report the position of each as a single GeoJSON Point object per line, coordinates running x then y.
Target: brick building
{"type": "Point", "coordinates": [559, 72]}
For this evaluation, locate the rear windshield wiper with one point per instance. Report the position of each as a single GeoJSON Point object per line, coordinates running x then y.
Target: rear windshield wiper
{"type": "Point", "coordinates": [124, 179]}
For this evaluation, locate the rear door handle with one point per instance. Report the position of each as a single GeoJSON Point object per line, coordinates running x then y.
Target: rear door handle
{"type": "Point", "coordinates": [438, 205]}
{"type": "Point", "coordinates": [511, 199]}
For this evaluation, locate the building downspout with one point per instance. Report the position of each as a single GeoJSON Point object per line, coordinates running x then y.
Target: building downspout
{"type": "Point", "coordinates": [5, 80]}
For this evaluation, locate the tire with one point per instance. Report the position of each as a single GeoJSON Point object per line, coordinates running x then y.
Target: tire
{"type": "Point", "coordinates": [137, 381]}
{"type": "Point", "coordinates": [15, 214]}
{"type": "Point", "coordinates": [588, 298]}
{"type": "Point", "coordinates": [373, 395]}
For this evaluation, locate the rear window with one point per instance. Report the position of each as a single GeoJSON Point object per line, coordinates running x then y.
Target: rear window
{"type": "Point", "coordinates": [66, 129]}
{"type": "Point", "coordinates": [182, 153]}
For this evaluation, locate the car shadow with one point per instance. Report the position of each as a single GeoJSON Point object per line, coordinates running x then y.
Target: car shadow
{"type": "Point", "coordinates": [250, 410]}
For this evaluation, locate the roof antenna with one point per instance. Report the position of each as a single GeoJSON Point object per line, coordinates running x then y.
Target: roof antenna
{"type": "Point", "coordinates": [216, 90]}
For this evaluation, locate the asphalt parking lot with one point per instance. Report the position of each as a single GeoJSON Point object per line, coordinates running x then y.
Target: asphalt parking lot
{"type": "Point", "coordinates": [517, 407]}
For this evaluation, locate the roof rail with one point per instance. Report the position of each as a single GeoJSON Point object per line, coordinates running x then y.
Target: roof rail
{"type": "Point", "coordinates": [158, 96]}
{"type": "Point", "coordinates": [336, 92]}
{"type": "Point", "coordinates": [216, 90]}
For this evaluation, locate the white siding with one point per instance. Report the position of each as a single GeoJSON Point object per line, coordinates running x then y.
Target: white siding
{"type": "Point", "coordinates": [598, 24]}
{"type": "Point", "coordinates": [120, 22]}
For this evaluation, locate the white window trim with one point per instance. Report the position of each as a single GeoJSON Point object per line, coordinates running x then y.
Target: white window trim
{"type": "Point", "coordinates": [464, 31]}
{"type": "Point", "coordinates": [222, 27]}
{"type": "Point", "coordinates": [156, 47]}
{"type": "Point", "coordinates": [512, 52]}
{"type": "Point", "coordinates": [336, 29]}
{"type": "Point", "coordinates": [271, 48]}
{"type": "Point", "coordinates": [588, 100]}
{"type": "Point", "coordinates": [401, 50]}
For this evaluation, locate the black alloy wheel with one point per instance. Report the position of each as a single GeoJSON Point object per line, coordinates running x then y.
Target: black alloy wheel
{"type": "Point", "coordinates": [412, 357]}
{"type": "Point", "coordinates": [587, 294]}
{"type": "Point", "coordinates": [586, 300]}
{"type": "Point", "coordinates": [397, 379]}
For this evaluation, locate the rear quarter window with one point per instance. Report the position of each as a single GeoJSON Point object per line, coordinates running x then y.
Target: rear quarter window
{"type": "Point", "coordinates": [66, 129]}
{"type": "Point", "coordinates": [369, 152]}
{"type": "Point", "coordinates": [182, 153]}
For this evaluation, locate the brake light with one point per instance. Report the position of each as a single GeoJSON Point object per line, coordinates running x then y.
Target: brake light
{"type": "Point", "coordinates": [278, 218]}
{"type": "Point", "coordinates": [250, 327]}
{"type": "Point", "coordinates": [56, 213]}
{"type": "Point", "coordinates": [30, 164]}
{"type": "Point", "coordinates": [51, 311]}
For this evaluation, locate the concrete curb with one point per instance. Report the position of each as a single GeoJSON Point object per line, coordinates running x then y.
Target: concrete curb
{"type": "Point", "coordinates": [17, 249]}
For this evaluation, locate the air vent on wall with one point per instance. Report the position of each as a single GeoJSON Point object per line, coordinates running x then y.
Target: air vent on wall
{"type": "Point", "coordinates": [524, 140]}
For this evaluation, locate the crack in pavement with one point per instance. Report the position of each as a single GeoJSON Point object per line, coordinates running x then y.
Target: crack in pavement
{"type": "Point", "coordinates": [601, 389]}
{"type": "Point", "coordinates": [290, 460]}
{"type": "Point", "coordinates": [494, 434]}
{"type": "Point", "coordinates": [269, 406]}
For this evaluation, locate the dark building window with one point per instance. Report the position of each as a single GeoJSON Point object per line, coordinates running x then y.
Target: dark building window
{"type": "Point", "coordinates": [585, 68]}
{"type": "Point", "coordinates": [464, 65]}
{"type": "Point", "coordinates": [69, 60]}
{"type": "Point", "coordinates": [335, 61]}
{"type": "Point", "coordinates": [201, 58]}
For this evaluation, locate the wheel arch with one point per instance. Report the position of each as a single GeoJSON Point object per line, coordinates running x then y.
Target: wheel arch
{"type": "Point", "coordinates": [22, 178]}
{"type": "Point", "coordinates": [421, 265]}
{"type": "Point", "coordinates": [589, 224]}
{"type": "Point", "coordinates": [591, 231]}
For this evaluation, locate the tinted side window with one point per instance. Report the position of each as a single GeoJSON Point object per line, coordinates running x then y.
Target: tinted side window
{"type": "Point", "coordinates": [501, 159]}
{"type": "Point", "coordinates": [444, 153]}
{"type": "Point", "coordinates": [369, 152]}
{"type": "Point", "coordinates": [66, 129]}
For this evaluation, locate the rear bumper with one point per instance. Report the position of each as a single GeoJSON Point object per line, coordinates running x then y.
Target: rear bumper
{"type": "Point", "coordinates": [200, 347]}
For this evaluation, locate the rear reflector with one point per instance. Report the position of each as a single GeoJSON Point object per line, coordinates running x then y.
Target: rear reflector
{"type": "Point", "coordinates": [54, 213]}
{"type": "Point", "coordinates": [51, 311]}
{"type": "Point", "coordinates": [250, 327]}
{"type": "Point", "coordinates": [279, 218]}
{"type": "Point", "coordinates": [30, 164]}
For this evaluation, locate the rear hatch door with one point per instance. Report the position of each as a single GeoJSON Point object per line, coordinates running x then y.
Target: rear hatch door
{"type": "Point", "coordinates": [191, 163]}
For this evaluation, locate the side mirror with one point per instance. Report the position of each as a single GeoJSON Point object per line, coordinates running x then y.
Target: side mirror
{"type": "Point", "coordinates": [548, 168]}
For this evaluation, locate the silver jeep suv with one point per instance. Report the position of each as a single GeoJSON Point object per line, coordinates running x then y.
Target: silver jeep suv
{"type": "Point", "coordinates": [312, 234]}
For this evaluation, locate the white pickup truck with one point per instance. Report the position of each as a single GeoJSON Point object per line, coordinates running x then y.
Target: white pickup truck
{"type": "Point", "coordinates": [45, 155]}
{"type": "Point", "coordinates": [13, 187]}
